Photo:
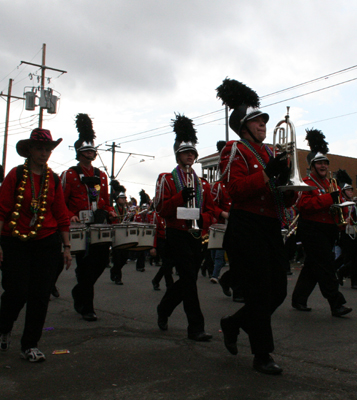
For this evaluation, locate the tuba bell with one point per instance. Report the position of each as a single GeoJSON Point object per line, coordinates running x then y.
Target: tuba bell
{"type": "Point", "coordinates": [284, 144]}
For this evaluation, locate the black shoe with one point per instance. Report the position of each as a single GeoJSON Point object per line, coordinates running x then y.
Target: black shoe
{"type": "Point", "coordinates": [89, 316]}
{"type": "Point", "coordinates": [340, 311]}
{"type": "Point", "coordinates": [266, 365]}
{"type": "Point", "coordinates": [300, 307]}
{"type": "Point", "coordinates": [55, 292]}
{"type": "Point", "coordinates": [200, 336]}
{"type": "Point", "coordinates": [229, 335]}
{"type": "Point", "coordinates": [155, 285]}
{"type": "Point", "coordinates": [225, 288]}
{"type": "Point", "coordinates": [118, 282]}
{"type": "Point", "coordinates": [354, 286]}
{"type": "Point", "coordinates": [140, 269]}
{"type": "Point", "coordinates": [162, 321]}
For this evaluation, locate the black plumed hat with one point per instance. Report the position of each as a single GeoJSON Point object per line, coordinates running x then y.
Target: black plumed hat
{"type": "Point", "coordinates": [86, 134]}
{"type": "Point", "coordinates": [343, 179]}
{"type": "Point", "coordinates": [243, 100]}
{"type": "Point", "coordinates": [220, 145]}
{"type": "Point", "coordinates": [318, 145]}
{"type": "Point", "coordinates": [144, 197]}
{"type": "Point", "coordinates": [186, 138]}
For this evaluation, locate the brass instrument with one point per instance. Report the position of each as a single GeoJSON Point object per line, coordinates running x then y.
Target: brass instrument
{"type": "Point", "coordinates": [295, 181]}
{"type": "Point", "coordinates": [192, 203]}
{"type": "Point", "coordinates": [336, 208]}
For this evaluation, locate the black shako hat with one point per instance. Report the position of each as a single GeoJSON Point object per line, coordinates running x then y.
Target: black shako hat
{"type": "Point", "coordinates": [86, 134]}
{"type": "Point", "coordinates": [343, 179]}
{"type": "Point", "coordinates": [186, 138]}
{"type": "Point", "coordinates": [242, 100]}
{"type": "Point", "coordinates": [318, 145]}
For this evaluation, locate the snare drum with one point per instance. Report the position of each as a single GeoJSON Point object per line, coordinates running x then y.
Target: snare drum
{"type": "Point", "coordinates": [146, 236]}
{"type": "Point", "coordinates": [100, 234]}
{"type": "Point", "coordinates": [77, 237]}
{"type": "Point", "coordinates": [216, 235]}
{"type": "Point", "coordinates": [124, 236]}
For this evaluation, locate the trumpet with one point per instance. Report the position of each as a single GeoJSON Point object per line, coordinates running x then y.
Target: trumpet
{"type": "Point", "coordinates": [195, 230]}
{"type": "Point", "coordinates": [284, 144]}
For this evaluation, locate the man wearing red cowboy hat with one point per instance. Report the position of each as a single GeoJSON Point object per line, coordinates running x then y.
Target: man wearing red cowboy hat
{"type": "Point", "coordinates": [32, 211]}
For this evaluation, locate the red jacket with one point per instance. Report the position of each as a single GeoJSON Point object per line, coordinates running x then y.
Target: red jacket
{"type": "Point", "coordinates": [245, 181]}
{"type": "Point", "coordinates": [56, 217]}
{"type": "Point", "coordinates": [221, 200]}
{"type": "Point", "coordinates": [315, 205]}
{"type": "Point", "coordinates": [75, 192]}
{"type": "Point", "coordinates": [170, 199]}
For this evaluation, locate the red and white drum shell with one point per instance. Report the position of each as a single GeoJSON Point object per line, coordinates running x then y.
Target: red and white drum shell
{"type": "Point", "coordinates": [146, 236]}
{"type": "Point", "coordinates": [216, 235]}
{"type": "Point", "coordinates": [100, 234]}
{"type": "Point", "coordinates": [77, 237]}
{"type": "Point", "coordinates": [125, 236]}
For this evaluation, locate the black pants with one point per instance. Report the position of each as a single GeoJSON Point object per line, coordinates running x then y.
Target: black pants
{"type": "Point", "coordinates": [119, 258]}
{"type": "Point", "coordinates": [140, 261]}
{"type": "Point", "coordinates": [89, 268]}
{"type": "Point", "coordinates": [166, 267]}
{"type": "Point", "coordinates": [257, 257]}
{"type": "Point", "coordinates": [318, 240]}
{"type": "Point", "coordinates": [28, 272]}
{"type": "Point", "coordinates": [186, 254]}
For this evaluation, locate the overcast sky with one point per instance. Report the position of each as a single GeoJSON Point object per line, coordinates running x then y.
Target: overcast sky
{"type": "Point", "coordinates": [131, 64]}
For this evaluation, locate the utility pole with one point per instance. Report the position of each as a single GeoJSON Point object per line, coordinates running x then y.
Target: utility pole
{"type": "Point", "coordinates": [227, 129]}
{"type": "Point", "coordinates": [113, 147]}
{"type": "Point", "coordinates": [9, 97]}
{"type": "Point", "coordinates": [43, 73]}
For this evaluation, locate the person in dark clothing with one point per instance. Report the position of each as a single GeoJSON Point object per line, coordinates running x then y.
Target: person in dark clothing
{"type": "Point", "coordinates": [173, 192]}
{"type": "Point", "coordinates": [253, 239]}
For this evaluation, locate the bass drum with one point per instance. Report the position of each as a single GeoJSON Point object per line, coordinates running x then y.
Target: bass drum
{"type": "Point", "coordinates": [146, 236]}
{"type": "Point", "coordinates": [216, 235]}
{"type": "Point", "coordinates": [125, 236]}
{"type": "Point", "coordinates": [100, 234]}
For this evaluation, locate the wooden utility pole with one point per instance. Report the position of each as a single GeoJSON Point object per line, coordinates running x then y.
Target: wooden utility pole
{"type": "Point", "coordinates": [113, 147]}
{"type": "Point", "coordinates": [43, 73]}
{"type": "Point", "coordinates": [8, 101]}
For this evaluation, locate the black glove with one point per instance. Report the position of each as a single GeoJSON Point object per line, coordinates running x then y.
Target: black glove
{"type": "Point", "coordinates": [284, 176]}
{"type": "Point", "coordinates": [335, 196]}
{"type": "Point", "coordinates": [276, 165]}
{"type": "Point", "coordinates": [188, 193]}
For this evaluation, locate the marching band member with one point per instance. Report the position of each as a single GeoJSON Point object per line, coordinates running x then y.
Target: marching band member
{"type": "Point", "coordinates": [223, 204]}
{"type": "Point", "coordinates": [86, 193]}
{"type": "Point", "coordinates": [172, 193]}
{"type": "Point", "coordinates": [160, 250]}
{"type": "Point", "coordinates": [348, 235]}
{"type": "Point", "coordinates": [32, 211]}
{"type": "Point", "coordinates": [119, 256]}
{"type": "Point", "coordinates": [142, 217]}
{"type": "Point", "coordinates": [253, 239]}
{"type": "Point", "coordinates": [318, 231]}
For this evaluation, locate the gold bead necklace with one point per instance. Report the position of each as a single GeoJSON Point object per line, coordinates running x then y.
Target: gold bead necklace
{"type": "Point", "coordinates": [41, 210]}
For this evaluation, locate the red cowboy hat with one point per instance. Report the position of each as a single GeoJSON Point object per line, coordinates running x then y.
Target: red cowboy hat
{"type": "Point", "coordinates": [37, 135]}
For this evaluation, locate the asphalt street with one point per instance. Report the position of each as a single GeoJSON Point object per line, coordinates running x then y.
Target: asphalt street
{"type": "Point", "coordinates": [124, 355]}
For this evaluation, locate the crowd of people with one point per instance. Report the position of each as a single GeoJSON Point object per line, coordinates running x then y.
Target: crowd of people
{"type": "Point", "coordinates": [250, 202]}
